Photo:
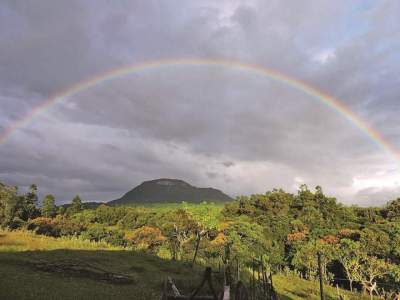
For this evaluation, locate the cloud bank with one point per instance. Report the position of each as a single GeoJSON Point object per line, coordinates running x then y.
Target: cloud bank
{"type": "Point", "coordinates": [209, 125]}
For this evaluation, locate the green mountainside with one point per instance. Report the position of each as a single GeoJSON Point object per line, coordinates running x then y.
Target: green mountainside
{"type": "Point", "coordinates": [168, 191]}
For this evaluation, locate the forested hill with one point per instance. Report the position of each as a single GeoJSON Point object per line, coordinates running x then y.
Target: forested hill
{"type": "Point", "coordinates": [168, 191]}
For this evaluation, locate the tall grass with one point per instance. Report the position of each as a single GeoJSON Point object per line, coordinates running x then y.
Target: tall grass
{"type": "Point", "coordinates": [22, 240]}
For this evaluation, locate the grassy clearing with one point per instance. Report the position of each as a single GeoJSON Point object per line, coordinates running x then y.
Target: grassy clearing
{"type": "Point", "coordinates": [207, 213]}
{"type": "Point", "coordinates": [22, 252]}
{"type": "Point", "coordinates": [16, 241]}
{"type": "Point", "coordinates": [22, 255]}
{"type": "Point", "coordinates": [294, 288]}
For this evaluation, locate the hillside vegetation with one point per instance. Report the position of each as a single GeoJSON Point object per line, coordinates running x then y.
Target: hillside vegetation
{"type": "Point", "coordinates": [283, 232]}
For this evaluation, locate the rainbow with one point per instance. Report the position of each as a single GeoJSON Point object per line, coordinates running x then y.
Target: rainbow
{"type": "Point", "coordinates": [334, 104]}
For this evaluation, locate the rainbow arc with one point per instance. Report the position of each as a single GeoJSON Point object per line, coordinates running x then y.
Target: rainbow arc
{"type": "Point", "coordinates": [334, 104]}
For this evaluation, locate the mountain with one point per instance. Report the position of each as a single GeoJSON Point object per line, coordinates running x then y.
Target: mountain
{"type": "Point", "coordinates": [166, 190]}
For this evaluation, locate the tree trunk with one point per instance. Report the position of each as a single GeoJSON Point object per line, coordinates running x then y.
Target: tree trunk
{"type": "Point", "coordinates": [197, 248]}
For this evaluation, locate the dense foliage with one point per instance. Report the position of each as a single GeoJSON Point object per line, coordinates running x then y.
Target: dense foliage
{"type": "Point", "coordinates": [359, 247]}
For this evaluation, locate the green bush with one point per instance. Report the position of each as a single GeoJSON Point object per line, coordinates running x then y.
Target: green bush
{"type": "Point", "coordinates": [116, 238]}
{"type": "Point", "coordinates": [16, 223]}
{"type": "Point", "coordinates": [98, 232]}
{"type": "Point", "coordinates": [95, 232]}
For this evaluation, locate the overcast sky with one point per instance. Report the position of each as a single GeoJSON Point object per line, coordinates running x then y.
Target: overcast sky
{"type": "Point", "coordinates": [208, 125]}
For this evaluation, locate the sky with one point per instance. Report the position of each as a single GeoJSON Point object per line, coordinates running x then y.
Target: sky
{"type": "Point", "coordinates": [208, 125]}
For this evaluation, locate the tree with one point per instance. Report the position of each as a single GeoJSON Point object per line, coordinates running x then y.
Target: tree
{"type": "Point", "coordinates": [49, 208]}
{"type": "Point", "coordinates": [247, 239]}
{"type": "Point", "coordinates": [393, 209]}
{"type": "Point", "coordinates": [211, 249]}
{"type": "Point", "coordinates": [76, 206]}
{"type": "Point", "coordinates": [146, 238]}
{"type": "Point", "coordinates": [305, 257]}
{"type": "Point", "coordinates": [29, 209]}
{"type": "Point", "coordinates": [177, 226]}
{"type": "Point", "coordinates": [350, 255]}
{"type": "Point", "coordinates": [10, 204]}
{"type": "Point", "coordinates": [109, 215]}
{"type": "Point", "coordinates": [394, 234]}
{"type": "Point", "coordinates": [372, 269]}
{"type": "Point", "coordinates": [61, 210]}
{"type": "Point", "coordinates": [375, 242]}
{"type": "Point", "coordinates": [12, 207]}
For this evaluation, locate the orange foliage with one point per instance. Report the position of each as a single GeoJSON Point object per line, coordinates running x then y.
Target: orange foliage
{"type": "Point", "coordinates": [219, 241]}
{"type": "Point", "coordinates": [296, 236]}
{"type": "Point", "coordinates": [330, 239]}
{"type": "Point", "coordinates": [345, 233]}
{"type": "Point", "coordinates": [146, 238]}
{"type": "Point", "coordinates": [349, 234]}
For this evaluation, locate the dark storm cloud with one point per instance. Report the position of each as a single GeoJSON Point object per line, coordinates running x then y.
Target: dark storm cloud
{"type": "Point", "coordinates": [212, 126]}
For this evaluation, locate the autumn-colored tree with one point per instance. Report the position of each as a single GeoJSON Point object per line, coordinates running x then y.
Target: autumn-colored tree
{"type": "Point", "coordinates": [146, 238]}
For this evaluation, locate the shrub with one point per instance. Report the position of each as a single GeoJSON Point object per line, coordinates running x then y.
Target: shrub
{"type": "Point", "coordinates": [295, 237]}
{"type": "Point", "coordinates": [214, 248]}
{"type": "Point", "coordinates": [59, 226]}
{"type": "Point", "coordinates": [109, 215]}
{"type": "Point", "coordinates": [67, 226]}
{"type": "Point", "coordinates": [330, 239]}
{"type": "Point", "coordinates": [84, 218]}
{"type": "Point", "coordinates": [16, 223]}
{"type": "Point", "coordinates": [98, 232]}
{"type": "Point", "coordinates": [135, 218]}
{"type": "Point", "coordinates": [95, 232]}
{"type": "Point", "coordinates": [115, 238]}
{"type": "Point", "coordinates": [44, 226]}
{"type": "Point", "coordinates": [146, 238]}
{"type": "Point", "coordinates": [129, 221]}
{"type": "Point", "coordinates": [349, 234]}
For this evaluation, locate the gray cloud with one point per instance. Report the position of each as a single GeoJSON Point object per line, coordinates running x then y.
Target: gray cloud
{"type": "Point", "coordinates": [212, 126]}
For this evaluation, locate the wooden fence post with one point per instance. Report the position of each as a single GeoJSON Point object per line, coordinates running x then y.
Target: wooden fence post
{"type": "Point", "coordinates": [321, 281]}
{"type": "Point", "coordinates": [253, 290]}
{"type": "Point", "coordinates": [197, 248]}
{"type": "Point", "coordinates": [238, 270]}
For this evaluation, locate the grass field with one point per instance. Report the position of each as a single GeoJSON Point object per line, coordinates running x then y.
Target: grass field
{"type": "Point", "coordinates": [79, 269]}
{"type": "Point", "coordinates": [207, 213]}
{"type": "Point", "coordinates": [38, 267]}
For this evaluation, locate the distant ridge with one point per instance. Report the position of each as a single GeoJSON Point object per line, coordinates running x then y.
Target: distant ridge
{"type": "Point", "coordinates": [165, 190]}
